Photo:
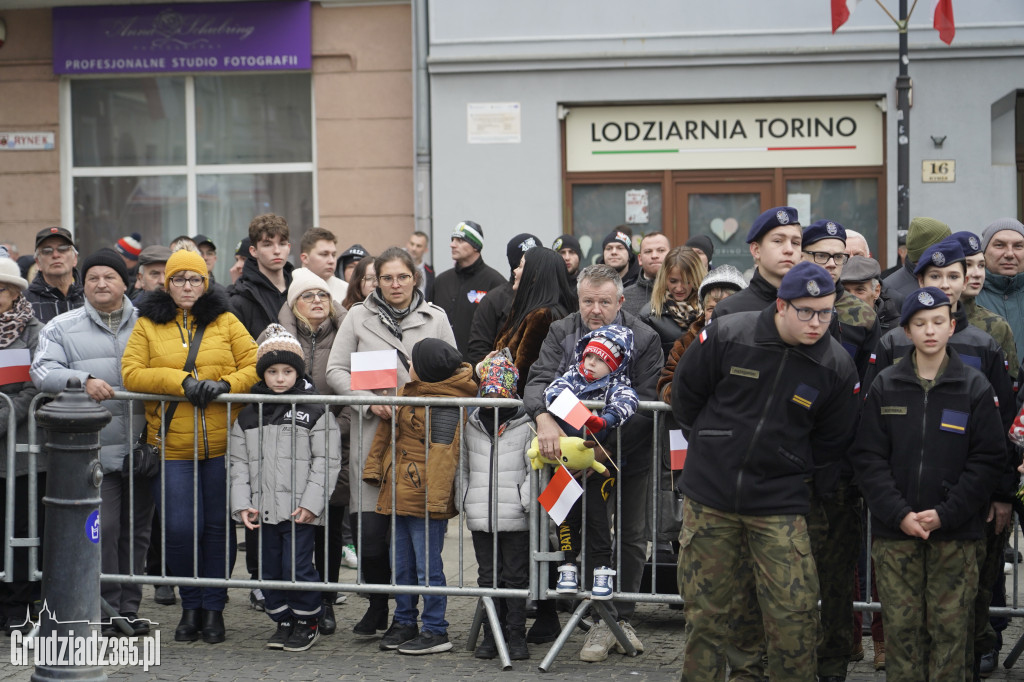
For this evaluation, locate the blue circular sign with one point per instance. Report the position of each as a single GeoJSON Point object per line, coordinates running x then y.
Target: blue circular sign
{"type": "Point", "coordinates": [92, 526]}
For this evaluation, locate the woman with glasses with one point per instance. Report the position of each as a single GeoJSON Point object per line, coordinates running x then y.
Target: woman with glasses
{"type": "Point", "coordinates": [674, 304]}
{"type": "Point", "coordinates": [393, 317]}
{"type": "Point", "coordinates": [313, 317]}
{"type": "Point", "coordinates": [194, 472]}
{"type": "Point", "coordinates": [362, 282]}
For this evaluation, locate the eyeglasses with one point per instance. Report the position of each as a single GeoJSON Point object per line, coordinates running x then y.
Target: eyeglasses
{"type": "Point", "coordinates": [48, 250]}
{"type": "Point", "coordinates": [386, 280]}
{"type": "Point", "coordinates": [192, 281]}
{"type": "Point", "coordinates": [310, 295]}
{"type": "Point", "coordinates": [370, 278]}
{"type": "Point", "coordinates": [807, 314]}
{"type": "Point", "coordinates": [822, 257]}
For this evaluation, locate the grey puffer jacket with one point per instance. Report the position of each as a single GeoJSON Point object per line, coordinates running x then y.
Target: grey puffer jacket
{"type": "Point", "coordinates": [78, 344]}
{"type": "Point", "coordinates": [262, 466]}
{"type": "Point", "coordinates": [475, 487]}
{"type": "Point", "coordinates": [21, 394]}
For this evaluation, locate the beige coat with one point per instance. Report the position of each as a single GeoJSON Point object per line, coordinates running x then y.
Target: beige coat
{"type": "Point", "coordinates": [362, 331]}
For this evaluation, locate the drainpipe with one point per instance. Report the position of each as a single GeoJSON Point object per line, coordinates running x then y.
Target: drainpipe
{"type": "Point", "coordinates": [422, 212]}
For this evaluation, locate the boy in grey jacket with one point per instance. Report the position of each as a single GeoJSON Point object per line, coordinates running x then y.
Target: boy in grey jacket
{"type": "Point", "coordinates": [281, 492]}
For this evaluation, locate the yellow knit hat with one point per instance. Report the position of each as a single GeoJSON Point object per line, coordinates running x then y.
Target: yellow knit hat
{"type": "Point", "coordinates": [183, 260]}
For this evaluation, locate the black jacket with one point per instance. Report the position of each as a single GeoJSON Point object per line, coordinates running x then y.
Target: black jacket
{"type": "Point", "coordinates": [940, 449]}
{"type": "Point", "coordinates": [975, 349]}
{"type": "Point", "coordinates": [48, 302]}
{"type": "Point", "coordinates": [488, 320]}
{"type": "Point", "coordinates": [556, 353]}
{"type": "Point", "coordinates": [900, 284]}
{"type": "Point", "coordinates": [637, 296]}
{"type": "Point", "coordinates": [459, 291]}
{"type": "Point", "coordinates": [763, 418]}
{"type": "Point", "coordinates": [255, 300]}
{"type": "Point", "coordinates": [758, 294]}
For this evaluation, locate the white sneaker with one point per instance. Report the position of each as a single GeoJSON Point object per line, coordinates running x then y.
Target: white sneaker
{"type": "Point", "coordinates": [340, 599]}
{"type": "Point", "coordinates": [603, 583]}
{"type": "Point", "coordinates": [348, 556]}
{"type": "Point", "coordinates": [598, 643]}
{"type": "Point", "coordinates": [567, 580]}
{"type": "Point", "coordinates": [630, 633]}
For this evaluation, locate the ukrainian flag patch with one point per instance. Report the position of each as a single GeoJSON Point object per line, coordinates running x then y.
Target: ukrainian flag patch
{"type": "Point", "coordinates": [953, 421]}
{"type": "Point", "coordinates": [804, 396]}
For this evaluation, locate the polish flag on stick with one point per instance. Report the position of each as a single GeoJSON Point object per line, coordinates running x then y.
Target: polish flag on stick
{"type": "Point", "coordinates": [842, 10]}
{"type": "Point", "coordinates": [14, 364]}
{"type": "Point", "coordinates": [942, 20]}
{"type": "Point", "coordinates": [562, 492]}
{"type": "Point", "coordinates": [677, 448]}
{"type": "Point", "coordinates": [569, 409]}
{"type": "Point", "coordinates": [374, 369]}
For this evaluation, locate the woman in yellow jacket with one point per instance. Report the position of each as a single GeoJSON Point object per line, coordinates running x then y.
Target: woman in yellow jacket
{"type": "Point", "coordinates": [196, 439]}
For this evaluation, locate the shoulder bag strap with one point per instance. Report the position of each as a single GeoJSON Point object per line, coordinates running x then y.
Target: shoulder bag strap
{"type": "Point", "coordinates": [190, 365]}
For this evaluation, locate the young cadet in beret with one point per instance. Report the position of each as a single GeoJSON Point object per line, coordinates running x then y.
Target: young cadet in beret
{"type": "Point", "coordinates": [774, 240]}
{"type": "Point", "coordinates": [768, 400]}
{"type": "Point", "coordinates": [929, 446]}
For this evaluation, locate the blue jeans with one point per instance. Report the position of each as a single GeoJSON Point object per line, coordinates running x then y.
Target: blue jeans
{"type": "Point", "coordinates": [207, 535]}
{"type": "Point", "coordinates": [277, 565]}
{"type": "Point", "coordinates": [410, 558]}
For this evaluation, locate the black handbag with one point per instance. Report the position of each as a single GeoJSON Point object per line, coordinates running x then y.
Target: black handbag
{"type": "Point", "coordinates": [145, 459]}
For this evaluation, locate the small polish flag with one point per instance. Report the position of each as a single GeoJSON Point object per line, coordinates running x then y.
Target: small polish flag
{"type": "Point", "coordinates": [703, 335]}
{"type": "Point", "coordinates": [842, 10]}
{"type": "Point", "coordinates": [677, 447]}
{"type": "Point", "coordinates": [569, 409]}
{"type": "Point", "coordinates": [942, 20]}
{"type": "Point", "coordinates": [856, 389]}
{"type": "Point", "coordinates": [14, 364]}
{"type": "Point", "coordinates": [375, 369]}
{"type": "Point", "coordinates": [872, 360]}
{"type": "Point", "coordinates": [561, 493]}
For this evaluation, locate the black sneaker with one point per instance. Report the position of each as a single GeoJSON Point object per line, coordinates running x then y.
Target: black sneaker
{"type": "Point", "coordinates": [280, 638]}
{"type": "Point", "coordinates": [426, 643]}
{"type": "Point", "coordinates": [256, 600]}
{"type": "Point", "coordinates": [374, 621]}
{"type": "Point", "coordinates": [397, 635]}
{"type": "Point", "coordinates": [304, 635]}
{"type": "Point", "coordinates": [139, 626]}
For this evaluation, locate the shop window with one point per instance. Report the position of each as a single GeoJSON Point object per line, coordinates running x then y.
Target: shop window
{"type": "Point", "coordinates": [164, 156]}
{"type": "Point", "coordinates": [598, 209]}
{"type": "Point", "coordinates": [851, 201]}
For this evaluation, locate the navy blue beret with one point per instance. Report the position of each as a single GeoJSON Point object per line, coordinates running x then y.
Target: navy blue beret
{"type": "Point", "coordinates": [926, 298]}
{"type": "Point", "coordinates": [823, 229]}
{"type": "Point", "coordinates": [805, 279]}
{"type": "Point", "coordinates": [969, 242]}
{"type": "Point", "coordinates": [773, 217]}
{"type": "Point", "coordinates": [946, 252]}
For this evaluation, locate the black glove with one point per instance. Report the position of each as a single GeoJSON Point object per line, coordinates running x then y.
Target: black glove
{"type": "Point", "coordinates": [192, 391]}
{"type": "Point", "coordinates": [211, 389]}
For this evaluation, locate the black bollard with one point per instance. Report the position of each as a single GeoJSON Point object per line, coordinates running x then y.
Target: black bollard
{"type": "Point", "coordinates": [71, 550]}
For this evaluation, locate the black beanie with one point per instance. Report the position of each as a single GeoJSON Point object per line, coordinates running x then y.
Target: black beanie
{"type": "Point", "coordinates": [704, 243]}
{"type": "Point", "coordinates": [434, 360]}
{"type": "Point", "coordinates": [519, 245]}
{"type": "Point", "coordinates": [111, 259]}
{"type": "Point", "coordinates": [567, 241]}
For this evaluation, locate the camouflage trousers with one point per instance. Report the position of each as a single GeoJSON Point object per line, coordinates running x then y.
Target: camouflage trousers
{"type": "Point", "coordinates": [767, 556]}
{"type": "Point", "coordinates": [927, 589]}
{"type": "Point", "coordinates": [990, 569]}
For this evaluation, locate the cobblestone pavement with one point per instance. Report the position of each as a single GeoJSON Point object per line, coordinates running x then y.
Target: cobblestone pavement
{"type": "Point", "coordinates": [344, 657]}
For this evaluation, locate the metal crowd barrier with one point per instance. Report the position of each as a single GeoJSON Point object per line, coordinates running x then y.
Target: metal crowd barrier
{"type": "Point", "coordinates": [661, 531]}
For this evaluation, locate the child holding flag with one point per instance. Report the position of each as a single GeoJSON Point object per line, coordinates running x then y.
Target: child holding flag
{"type": "Point", "coordinates": [599, 371]}
{"type": "Point", "coordinates": [928, 454]}
{"type": "Point", "coordinates": [424, 491]}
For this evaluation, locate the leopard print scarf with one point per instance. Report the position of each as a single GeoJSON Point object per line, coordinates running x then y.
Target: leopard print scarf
{"type": "Point", "coordinates": [12, 322]}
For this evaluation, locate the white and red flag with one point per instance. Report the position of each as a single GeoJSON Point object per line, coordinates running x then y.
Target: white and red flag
{"type": "Point", "coordinates": [14, 364]}
{"type": "Point", "coordinates": [374, 369]}
{"type": "Point", "coordinates": [677, 446]}
{"type": "Point", "coordinates": [842, 10]}
{"type": "Point", "coordinates": [942, 20]}
{"type": "Point", "coordinates": [562, 492]}
{"type": "Point", "coordinates": [569, 409]}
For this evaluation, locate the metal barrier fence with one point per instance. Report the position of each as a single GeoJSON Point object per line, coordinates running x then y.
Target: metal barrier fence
{"type": "Point", "coordinates": [662, 505]}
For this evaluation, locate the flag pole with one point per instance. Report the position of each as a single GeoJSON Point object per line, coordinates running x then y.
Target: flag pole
{"type": "Point", "coordinates": [904, 96]}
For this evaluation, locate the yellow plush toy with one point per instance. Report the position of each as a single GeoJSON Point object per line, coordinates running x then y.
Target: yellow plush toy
{"type": "Point", "coordinates": [575, 455]}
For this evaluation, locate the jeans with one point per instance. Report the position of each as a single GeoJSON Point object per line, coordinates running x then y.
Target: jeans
{"type": "Point", "coordinates": [206, 534]}
{"type": "Point", "coordinates": [277, 565]}
{"type": "Point", "coordinates": [410, 561]}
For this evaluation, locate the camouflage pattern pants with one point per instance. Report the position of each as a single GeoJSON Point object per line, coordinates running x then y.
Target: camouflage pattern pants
{"type": "Point", "coordinates": [990, 569]}
{"type": "Point", "coordinates": [927, 589]}
{"type": "Point", "coordinates": [713, 548]}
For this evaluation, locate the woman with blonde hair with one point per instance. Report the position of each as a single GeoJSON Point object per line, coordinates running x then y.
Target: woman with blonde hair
{"type": "Point", "coordinates": [674, 305]}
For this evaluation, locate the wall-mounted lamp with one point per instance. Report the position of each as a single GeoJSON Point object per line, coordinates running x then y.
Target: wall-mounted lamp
{"type": "Point", "coordinates": [3, 31]}
{"type": "Point", "coordinates": [937, 140]}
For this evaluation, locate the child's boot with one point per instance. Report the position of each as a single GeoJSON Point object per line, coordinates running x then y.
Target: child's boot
{"type": "Point", "coordinates": [487, 648]}
{"type": "Point", "coordinates": [567, 583]}
{"type": "Point", "coordinates": [603, 587]}
{"type": "Point", "coordinates": [517, 649]}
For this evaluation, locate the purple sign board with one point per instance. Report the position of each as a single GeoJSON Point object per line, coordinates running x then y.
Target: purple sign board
{"type": "Point", "coordinates": [216, 36]}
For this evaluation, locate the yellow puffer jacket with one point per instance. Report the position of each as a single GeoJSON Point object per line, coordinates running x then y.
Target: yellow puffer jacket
{"type": "Point", "coordinates": [155, 356]}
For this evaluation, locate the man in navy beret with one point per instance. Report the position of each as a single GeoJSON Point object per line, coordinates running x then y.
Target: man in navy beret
{"type": "Point", "coordinates": [768, 400]}
{"type": "Point", "coordinates": [774, 240]}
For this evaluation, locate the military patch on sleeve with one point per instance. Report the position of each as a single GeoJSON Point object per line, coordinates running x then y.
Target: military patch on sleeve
{"type": "Point", "coordinates": [897, 410]}
{"type": "Point", "coordinates": [804, 396]}
{"type": "Point", "coordinates": [744, 372]}
{"type": "Point", "coordinates": [703, 335]}
{"type": "Point", "coordinates": [971, 361]}
{"type": "Point", "coordinates": [953, 421]}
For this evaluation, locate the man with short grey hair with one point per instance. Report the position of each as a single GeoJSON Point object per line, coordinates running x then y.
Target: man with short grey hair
{"type": "Point", "coordinates": [1002, 242]}
{"type": "Point", "coordinates": [600, 297]}
{"type": "Point", "coordinates": [150, 275]}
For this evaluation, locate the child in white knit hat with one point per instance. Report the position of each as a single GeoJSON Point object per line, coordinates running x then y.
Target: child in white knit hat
{"type": "Point", "coordinates": [281, 491]}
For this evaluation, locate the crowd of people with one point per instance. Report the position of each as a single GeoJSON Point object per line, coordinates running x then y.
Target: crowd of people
{"type": "Point", "coordinates": [812, 396]}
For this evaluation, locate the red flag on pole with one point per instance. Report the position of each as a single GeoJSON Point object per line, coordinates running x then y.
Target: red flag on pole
{"type": "Point", "coordinates": [841, 12]}
{"type": "Point", "coordinates": [568, 408]}
{"type": "Point", "coordinates": [942, 21]}
{"type": "Point", "coordinates": [677, 446]}
{"type": "Point", "coordinates": [561, 493]}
